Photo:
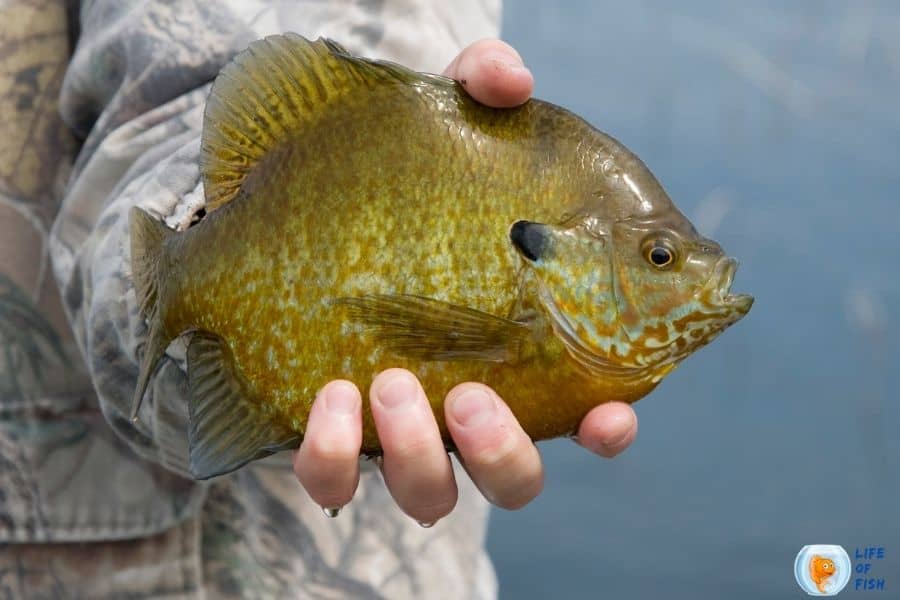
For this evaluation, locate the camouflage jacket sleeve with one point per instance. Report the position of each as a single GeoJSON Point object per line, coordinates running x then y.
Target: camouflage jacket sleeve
{"type": "Point", "coordinates": [132, 97]}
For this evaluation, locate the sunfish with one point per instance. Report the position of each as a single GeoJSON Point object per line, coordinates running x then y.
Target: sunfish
{"type": "Point", "coordinates": [363, 216]}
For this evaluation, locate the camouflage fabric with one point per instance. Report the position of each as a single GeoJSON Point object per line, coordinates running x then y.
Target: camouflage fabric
{"type": "Point", "coordinates": [101, 104]}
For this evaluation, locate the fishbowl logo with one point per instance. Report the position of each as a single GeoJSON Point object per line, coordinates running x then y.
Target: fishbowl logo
{"type": "Point", "coordinates": [822, 569]}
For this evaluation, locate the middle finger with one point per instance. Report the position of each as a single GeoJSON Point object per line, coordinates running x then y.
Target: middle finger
{"type": "Point", "coordinates": [416, 466]}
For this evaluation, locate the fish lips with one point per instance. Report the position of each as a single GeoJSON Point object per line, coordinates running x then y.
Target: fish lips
{"type": "Point", "coordinates": [721, 281]}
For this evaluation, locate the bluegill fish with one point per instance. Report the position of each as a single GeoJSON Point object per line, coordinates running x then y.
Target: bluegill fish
{"type": "Point", "coordinates": [363, 216]}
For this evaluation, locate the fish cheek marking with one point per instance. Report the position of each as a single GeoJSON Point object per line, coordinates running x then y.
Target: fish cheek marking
{"type": "Point", "coordinates": [659, 332]}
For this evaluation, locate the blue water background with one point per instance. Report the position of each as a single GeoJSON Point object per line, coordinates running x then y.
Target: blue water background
{"type": "Point", "coordinates": [775, 126]}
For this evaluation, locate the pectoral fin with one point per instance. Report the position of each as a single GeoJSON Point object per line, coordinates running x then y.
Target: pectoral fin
{"type": "Point", "coordinates": [429, 329]}
{"type": "Point", "coordinates": [227, 429]}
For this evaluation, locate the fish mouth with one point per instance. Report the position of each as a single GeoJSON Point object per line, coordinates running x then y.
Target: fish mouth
{"type": "Point", "coordinates": [724, 276]}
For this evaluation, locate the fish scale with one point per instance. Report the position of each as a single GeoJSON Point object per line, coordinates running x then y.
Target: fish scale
{"type": "Point", "coordinates": [362, 216]}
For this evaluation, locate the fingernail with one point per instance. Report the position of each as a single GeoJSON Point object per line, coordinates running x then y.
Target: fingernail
{"type": "Point", "coordinates": [473, 408]}
{"type": "Point", "coordinates": [331, 512]}
{"type": "Point", "coordinates": [397, 392]}
{"type": "Point", "coordinates": [341, 401]}
{"type": "Point", "coordinates": [426, 524]}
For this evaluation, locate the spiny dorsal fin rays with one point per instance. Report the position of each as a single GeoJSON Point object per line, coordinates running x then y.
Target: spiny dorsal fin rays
{"type": "Point", "coordinates": [274, 89]}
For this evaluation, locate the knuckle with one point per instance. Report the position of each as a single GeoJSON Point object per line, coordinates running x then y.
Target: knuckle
{"type": "Point", "coordinates": [510, 476]}
{"type": "Point", "coordinates": [329, 450]}
{"type": "Point", "coordinates": [428, 513]}
{"type": "Point", "coordinates": [494, 452]}
{"type": "Point", "coordinates": [330, 499]}
{"type": "Point", "coordinates": [412, 448]}
{"type": "Point", "coordinates": [329, 487]}
{"type": "Point", "coordinates": [519, 493]}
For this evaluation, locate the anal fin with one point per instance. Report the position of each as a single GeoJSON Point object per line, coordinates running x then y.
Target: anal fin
{"type": "Point", "coordinates": [227, 429]}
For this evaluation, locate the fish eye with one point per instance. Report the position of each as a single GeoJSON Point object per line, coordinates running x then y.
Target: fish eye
{"type": "Point", "coordinates": [659, 253]}
{"type": "Point", "coordinates": [660, 256]}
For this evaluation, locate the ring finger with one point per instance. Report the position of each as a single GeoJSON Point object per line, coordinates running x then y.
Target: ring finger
{"type": "Point", "coordinates": [416, 467]}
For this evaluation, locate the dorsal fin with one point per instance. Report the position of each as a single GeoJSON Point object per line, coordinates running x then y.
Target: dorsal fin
{"type": "Point", "coordinates": [274, 89]}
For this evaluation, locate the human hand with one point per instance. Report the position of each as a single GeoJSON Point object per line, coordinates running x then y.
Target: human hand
{"type": "Point", "coordinates": [497, 454]}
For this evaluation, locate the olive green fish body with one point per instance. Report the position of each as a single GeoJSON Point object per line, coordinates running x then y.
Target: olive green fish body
{"type": "Point", "coordinates": [363, 216]}
{"type": "Point", "coordinates": [425, 217]}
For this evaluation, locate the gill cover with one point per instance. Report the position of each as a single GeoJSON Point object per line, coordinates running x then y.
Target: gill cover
{"type": "Point", "coordinates": [573, 266]}
{"type": "Point", "coordinates": [632, 297]}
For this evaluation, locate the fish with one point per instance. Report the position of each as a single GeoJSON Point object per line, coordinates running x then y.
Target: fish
{"type": "Point", "coordinates": [361, 215]}
{"type": "Point", "coordinates": [820, 569]}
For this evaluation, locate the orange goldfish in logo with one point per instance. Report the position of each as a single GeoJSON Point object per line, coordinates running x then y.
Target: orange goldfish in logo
{"type": "Point", "coordinates": [820, 569]}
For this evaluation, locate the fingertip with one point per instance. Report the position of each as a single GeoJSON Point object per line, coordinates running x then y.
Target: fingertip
{"type": "Point", "coordinates": [526, 493]}
{"type": "Point", "coordinates": [394, 372]}
{"type": "Point", "coordinates": [608, 429]}
{"type": "Point", "coordinates": [501, 84]}
{"type": "Point", "coordinates": [335, 419]}
{"type": "Point", "coordinates": [471, 404]}
{"type": "Point", "coordinates": [394, 390]}
{"type": "Point", "coordinates": [493, 73]}
{"type": "Point", "coordinates": [340, 398]}
{"type": "Point", "coordinates": [326, 463]}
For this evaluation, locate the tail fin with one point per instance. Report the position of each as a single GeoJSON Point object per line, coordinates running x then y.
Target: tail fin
{"type": "Point", "coordinates": [148, 237]}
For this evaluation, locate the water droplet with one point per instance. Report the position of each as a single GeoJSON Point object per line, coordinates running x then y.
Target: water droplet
{"type": "Point", "coordinates": [331, 512]}
{"type": "Point", "coordinates": [425, 524]}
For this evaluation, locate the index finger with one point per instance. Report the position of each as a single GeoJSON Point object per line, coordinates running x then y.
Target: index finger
{"type": "Point", "coordinates": [493, 73]}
